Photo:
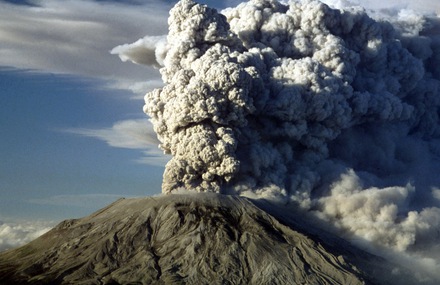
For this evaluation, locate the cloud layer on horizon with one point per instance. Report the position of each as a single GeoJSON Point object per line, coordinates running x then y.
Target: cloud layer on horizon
{"type": "Point", "coordinates": [14, 234]}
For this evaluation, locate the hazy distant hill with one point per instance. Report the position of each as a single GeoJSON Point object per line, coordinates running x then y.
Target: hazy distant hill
{"type": "Point", "coordinates": [192, 239]}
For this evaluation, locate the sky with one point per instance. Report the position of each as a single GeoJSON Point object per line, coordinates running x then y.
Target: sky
{"type": "Point", "coordinates": [74, 137]}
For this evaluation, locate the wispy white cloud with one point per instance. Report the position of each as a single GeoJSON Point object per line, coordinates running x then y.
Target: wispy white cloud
{"type": "Point", "coordinates": [139, 88]}
{"type": "Point", "coordinates": [153, 159]}
{"type": "Point", "coordinates": [133, 134]}
{"type": "Point", "coordinates": [421, 6]}
{"type": "Point", "coordinates": [79, 200]}
{"type": "Point", "coordinates": [436, 193]}
{"type": "Point", "coordinates": [130, 134]}
{"type": "Point", "coordinates": [143, 51]}
{"type": "Point", "coordinates": [14, 234]}
{"type": "Point", "coordinates": [76, 37]}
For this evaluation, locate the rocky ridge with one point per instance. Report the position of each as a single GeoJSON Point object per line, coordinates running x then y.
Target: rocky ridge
{"type": "Point", "coordinates": [184, 239]}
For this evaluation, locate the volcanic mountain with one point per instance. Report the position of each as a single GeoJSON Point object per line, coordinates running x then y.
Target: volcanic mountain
{"type": "Point", "coordinates": [191, 239]}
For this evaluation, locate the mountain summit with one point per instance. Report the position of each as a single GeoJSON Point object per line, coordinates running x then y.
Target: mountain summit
{"type": "Point", "coordinates": [185, 239]}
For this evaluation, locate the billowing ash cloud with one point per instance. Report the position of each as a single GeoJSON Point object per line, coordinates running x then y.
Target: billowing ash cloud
{"type": "Point", "coordinates": [254, 99]}
{"type": "Point", "coordinates": [327, 109]}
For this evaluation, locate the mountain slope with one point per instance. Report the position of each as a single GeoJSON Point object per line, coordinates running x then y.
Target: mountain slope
{"type": "Point", "coordinates": [175, 239]}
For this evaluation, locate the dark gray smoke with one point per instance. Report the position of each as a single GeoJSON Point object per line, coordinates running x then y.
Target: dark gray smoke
{"type": "Point", "coordinates": [327, 109]}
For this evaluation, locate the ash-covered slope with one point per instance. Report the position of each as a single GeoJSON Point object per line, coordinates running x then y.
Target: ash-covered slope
{"type": "Point", "coordinates": [177, 239]}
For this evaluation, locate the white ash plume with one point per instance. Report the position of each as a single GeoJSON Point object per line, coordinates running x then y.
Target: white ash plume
{"type": "Point", "coordinates": [253, 99]}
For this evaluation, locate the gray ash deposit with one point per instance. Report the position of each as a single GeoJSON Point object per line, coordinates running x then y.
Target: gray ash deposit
{"type": "Point", "coordinates": [188, 239]}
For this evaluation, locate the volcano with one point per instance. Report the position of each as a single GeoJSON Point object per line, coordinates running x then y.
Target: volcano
{"type": "Point", "coordinates": [203, 238]}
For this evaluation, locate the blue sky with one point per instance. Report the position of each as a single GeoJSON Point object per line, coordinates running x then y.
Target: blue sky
{"type": "Point", "coordinates": [42, 159]}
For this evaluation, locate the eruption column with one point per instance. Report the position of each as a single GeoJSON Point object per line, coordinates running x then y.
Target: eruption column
{"type": "Point", "coordinates": [254, 97]}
